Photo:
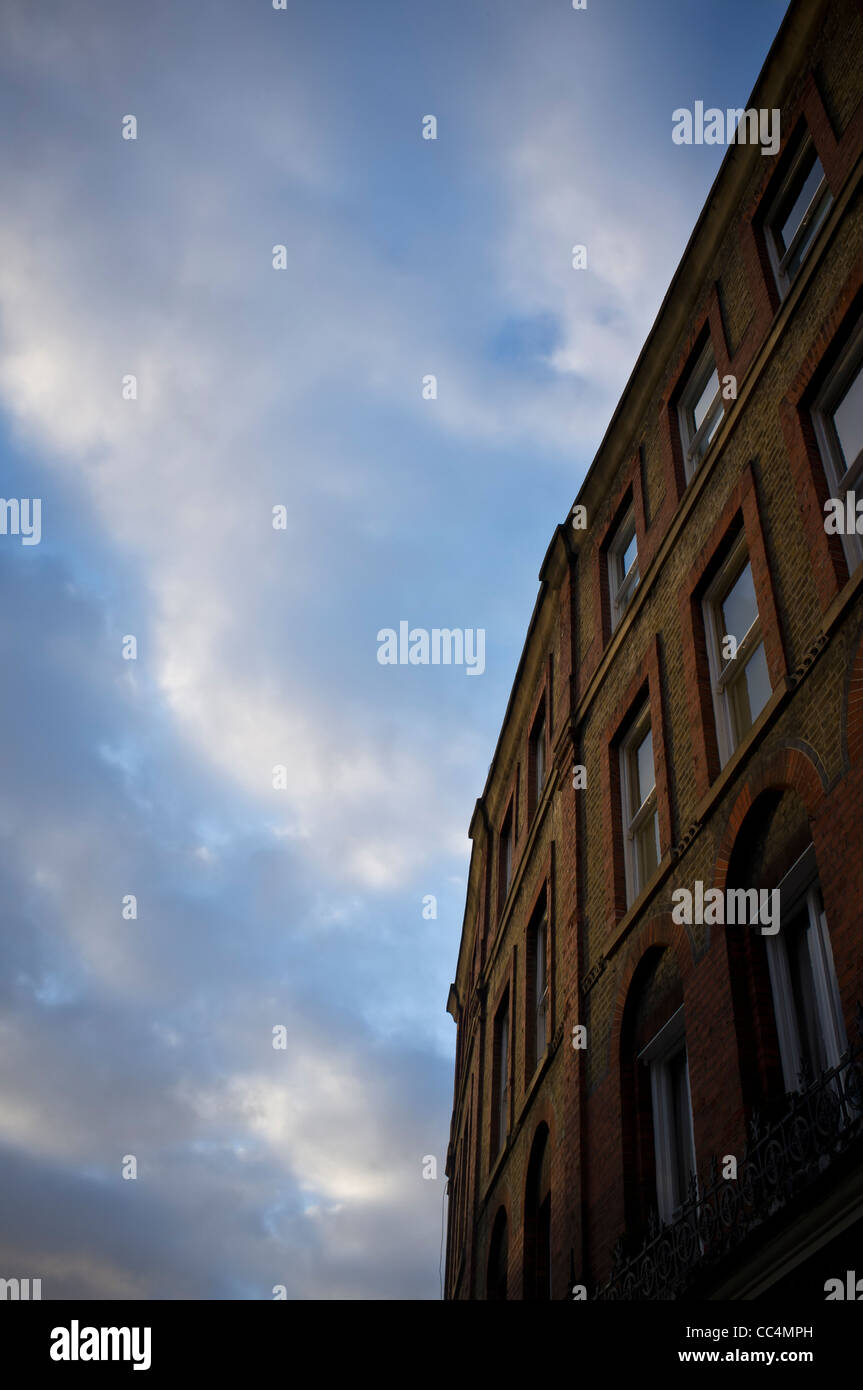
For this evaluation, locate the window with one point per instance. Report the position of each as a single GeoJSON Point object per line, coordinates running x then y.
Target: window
{"type": "Point", "coordinates": [622, 567]}
{"type": "Point", "coordinates": [673, 1138]}
{"type": "Point", "coordinates": [537, 756]}
{"type": "Point", "coordinates": [505, 858]}
{"type": "Point", "coordinates": [541, 983]}
{"type": "Point", "coordinates": [838, 418]}
{"type": "Point", "coordinates": [498, 1259]}
{"type": "Point", "coordinates": [537, 993]}
{"type": "Point", "coordinates": [459, 1194]}
{"type": "Point", "coordinates": [640, 816]}
{"type": "Point", "coordinates": [700, 410]}
{"type": "Point", "coordinates": [537, 1219]}
{"type": "Point", "coordinates": [500, 1091]}
{"type": "Point", "coordinates": [796, 214]}
{"type": "Point", "coordinates": [806, 1001]}
{"type": "Point", "coordinates": [738, 665]}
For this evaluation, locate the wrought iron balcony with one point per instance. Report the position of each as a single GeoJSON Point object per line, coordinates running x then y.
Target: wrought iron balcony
{"type": "Point", "coordinates": [821, 1121]}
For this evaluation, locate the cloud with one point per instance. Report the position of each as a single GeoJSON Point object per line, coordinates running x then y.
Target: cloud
{"type": "Point", "coordinates": [256, 647]}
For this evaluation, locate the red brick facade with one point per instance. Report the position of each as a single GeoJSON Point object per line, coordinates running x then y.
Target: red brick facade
{"type": "Point", "coordinates": [649, 1019]}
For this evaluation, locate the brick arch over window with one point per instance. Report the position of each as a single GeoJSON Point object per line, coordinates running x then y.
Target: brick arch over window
{"type": "Point", "coordinates": [497, 1280]}
{"type": "Point", "coordinates": [854, 709]}
{"type": "Point", "coordinates": [775, 832]}
{"type": "Point", "coordinates": [543, 1112]}
{"type": "Point", "coordinates": [660, 945]}
{"type": "Point", "coordinates": [785, 768]}
{"type": "Point", "coordinates": [660, 932]}
{"type": "Point", "coordinates": [537, 1217]}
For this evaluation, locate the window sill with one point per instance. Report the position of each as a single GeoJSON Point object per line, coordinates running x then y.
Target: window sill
{"type": "Point", "coordinates": [619, 927]}
{"type": "Point", "coordinates": [533, 1084]}
{"type": "Point", "coordinates": [848, 594]}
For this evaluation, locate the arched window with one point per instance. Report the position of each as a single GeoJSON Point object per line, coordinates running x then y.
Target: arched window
{"type": "Point", "coordinates": [658, 1136]}
{"type": "Point", "coordinates": [537, 1219]}
{"type": "Point", "coordinates": [801, 1031]}
{"type": "Point", "coordinates": [537, 995]}
{"type": "Point", "coordinates": [806, 1000]}
{"type": "Point", "coordinates": [498, 1258]}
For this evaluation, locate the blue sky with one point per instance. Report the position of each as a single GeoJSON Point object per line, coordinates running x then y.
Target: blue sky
{"type": "Point", "coordinates": [257, 647]}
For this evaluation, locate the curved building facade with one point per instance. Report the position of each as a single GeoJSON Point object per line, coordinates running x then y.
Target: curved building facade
{"type": "Point", "coordinates": [659, 1082]}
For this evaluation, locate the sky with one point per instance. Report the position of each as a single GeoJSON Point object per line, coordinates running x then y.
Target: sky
{"type": "Point", "coordinates": [297, 907]}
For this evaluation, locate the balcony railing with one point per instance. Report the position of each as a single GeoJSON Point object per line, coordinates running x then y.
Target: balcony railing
{"type": "Point", "coordinates": [820, 1123]}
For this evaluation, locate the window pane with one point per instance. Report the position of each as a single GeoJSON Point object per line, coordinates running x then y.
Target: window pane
{"type": "Point", "coordinates": [647, 850]}
{"type": "Point", "coordinates": [806, 240]}
{"type": "Point", "coordinates": [681, 1122]}
{"type": "Point", "coordinates": [757, 681]}
{"type": "Point", "coordinates": [543, 1249]}
{"type": "Point", "coordinates": [791, 218]}
{"type": "Point", "coordinates": [705, 400]}
{"type": "Point", "coordinates": [540, 989]}
{"type": "Point", "coordinates": [498, 1263]}
{"type": "Point", "coordinates": [503, 1079]}
{"type": "Point", "coordinates": [749, 693]}
{"type": "Point", "coordinates": [539, 757]}
{"type": "Point", "coordinates": [627, 559]}
{"type": "Point", "coordinates": [717, 421]}
{"type": "Point", "coordinates": [506, 854]}
{"type": "Point", "coordinates": [738, 700]}
{"type": "Point", "coordinates": [739, 608]}
{"type": "Point", "coordinates": [645, 776]}
{"type": "Point", "coordinates": [848, 420]}
{"type": "Point", "coordinates": [812, 1049]}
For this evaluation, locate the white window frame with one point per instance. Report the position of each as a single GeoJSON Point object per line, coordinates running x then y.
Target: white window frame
{"type": "Point", "coordinates": [695, 441]}
{"type": "Point", "coordinates": [622, 587]}
{"type": "Point", "coordinates": [848, 366]}
{"type": "Point", "coordinates": [541, 1001]}
{"type": "Point", "coordinates": [648, 810]}
{"type": "Point", "coordinates": [818, 207]}
{"type": "Point", "coordinates": [724, 673]}
{"type": "Point", "coordinates": [658, 1055]}
{"type": "Point", "coordinates": [537, 739]}
{"type": "Point", "coordinates": [799, 884]}
{"type": "Point", "coordinates": [507, 838]}
{"type": "Point", "coordinates": [503, 1077]}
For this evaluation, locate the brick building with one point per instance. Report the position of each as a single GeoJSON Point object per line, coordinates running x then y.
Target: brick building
{"type": "Point", "coordinates": [646, 1106]}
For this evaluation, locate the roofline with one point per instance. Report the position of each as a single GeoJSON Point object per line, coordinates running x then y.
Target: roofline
{"type": "Point", "coordinates": [807, 15]}
{"type": "Point", "coordinates": [798, 11]}
{"type": "Point", "coordinates": [561, 532]}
